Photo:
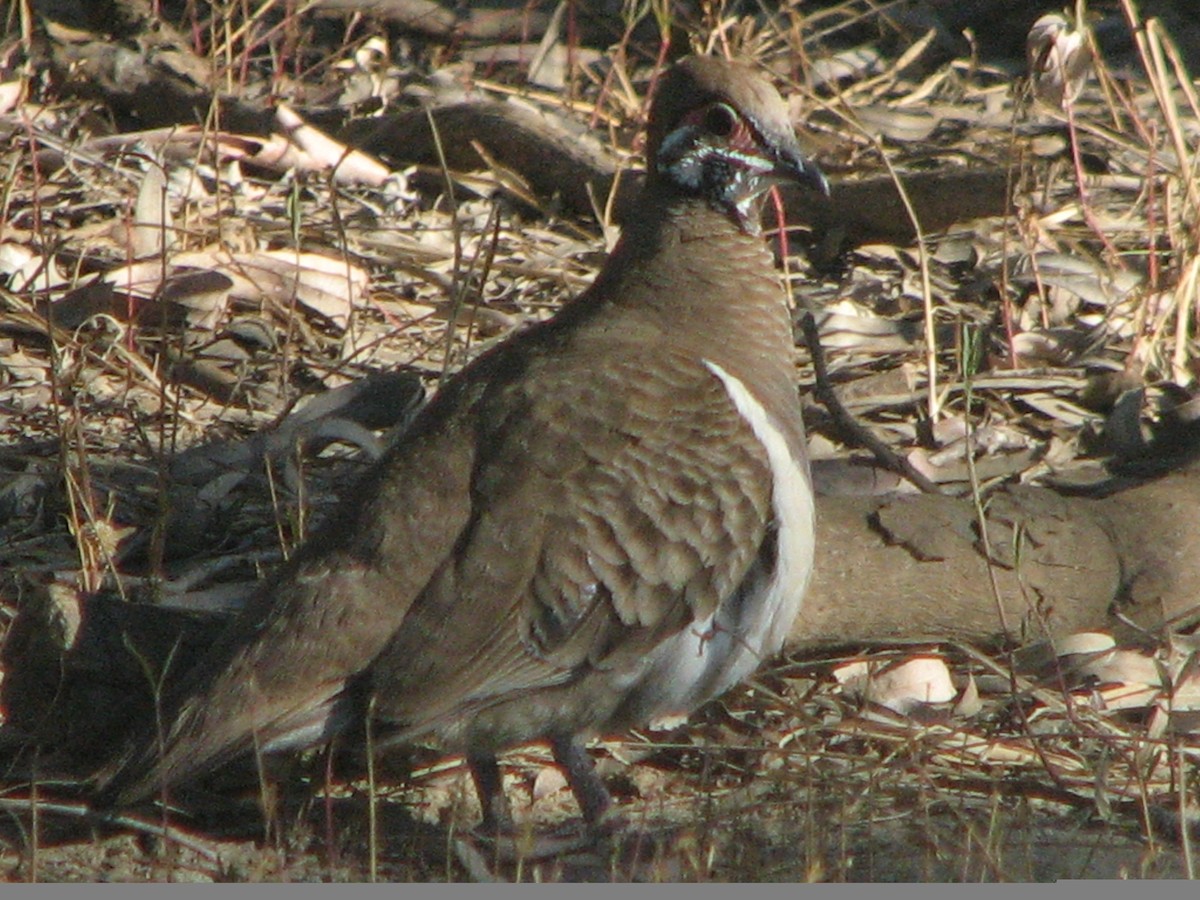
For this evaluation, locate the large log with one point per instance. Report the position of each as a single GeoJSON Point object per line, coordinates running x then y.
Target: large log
{"type": "Point", "coordinates": [76, 669]}
{"type": "Point", "coordinates": [914, 568]}
{"type": "Point", "coordinates": [580, 173]}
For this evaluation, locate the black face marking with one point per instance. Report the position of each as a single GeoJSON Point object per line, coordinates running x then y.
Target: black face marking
{"type": "Point", "coordinates": [719, 154]}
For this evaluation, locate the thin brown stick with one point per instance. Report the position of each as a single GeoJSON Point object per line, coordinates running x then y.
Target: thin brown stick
{"type": "Point", "coordinates": [823, 389]}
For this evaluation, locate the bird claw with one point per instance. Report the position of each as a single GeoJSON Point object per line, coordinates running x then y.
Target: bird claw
{"type": "Point", "coordinates": [605, 851]}
{"type": "Point", "coordinates": [517, 845]}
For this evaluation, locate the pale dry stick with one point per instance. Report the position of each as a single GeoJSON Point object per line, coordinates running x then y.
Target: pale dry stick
{"type": "Point", "coordinates": [1116, 99]}
{"type": "Point", "coordinates": [661, 9]}
{"type": "Point", "coordinates": [168, 426]}
{"type": "Point", "coordinates": [287, 25]}
{"type": "Point", "coordinates": [1014, 173]}
{"type": "Point", "coordinates": [155, 177]}
{"type": "Point", "coordinates": [934, 401]}
{"type": "Point", "coordinates": [791, 39]}
{"type": "Point", "coordinates": [1085, 205]}
{"type": "Point", "coordinates": [483, 269]}
{"type": "Point", "coordinates": [342, 246]}
{"type": "Point", "coordinates": [293, 330]}
{"type": "Point", "coordinates": [83, 811]}
{"type": "Point", "coordinates": [24, 10]}
{"type": "Point", "coordinates": [273, 826]}
{"type": "Point", "coordinates": [1149, 309]}
{"type": "Point", "coordinates": [1185, 826]}
{"type": "Point", "coordinates": [1188, 164]}
{"type": "Point", "coordinates": [1184, 301]}
{"type": "Point", "coordinates": [919, 96]}
{"type": "Point", "coordinates": [59, 403]}
{"type": "Point", "coordinates": [1139, 769]}
{"type": "Point", "coordinates": [719, 34]}
{"type": "Point", "coordinates": [372, 797]}
{"type": "Point", "coordinates": [619, 59]}
{"type": "Point", "coordinates": [529, 96]}
{"type": "Point", "coordinates": [1118, 134]}
{"type": "Point", "coordinates": [8, 188]}
{"type": "Point", "coordinates": [1157, 198]}
{"type": "Point", "coordinates": [86, 523]}
{"type": "Point", "coordinates": [630, 101]}
{"type": "Point", "coordinates": [331, 852]}
{"type": "Point", "coordinates": [155, 680]}
{"type": "Point", "coordinates": [969, 369]}
{"type": "Point", "coordinates": [604, 213]}
{"type": "Point", "coordinates": [508, 179]}
{"type": "Point", "coordinates": [1108, 136]}
{"type": "Point", "coordinates": [879, 85]}
{"type": "Point", "coordinates": [259, 11]}
{"type": "Point", "coordinates": [1153, 269]}
{"type": "Point", "coordinates": [35, 825]}
{"type": "Point", "coordinates": [857, 14]}
{"type": "Point", "coordinates": [456, 278]}
{"type": "Point", "coordinates": [220, 39]}
{"type": "Point", "coordinates": [1183, 78]}
{"type": "Point", "coordinates": [969, 829]}
{"type": "Point", "coordinates": [550, 40]}
{"type": "Point", "coordinates": [279, 514]}
{"type": "Point", "coordinates": [1149, 42]}
{"type": "Point", "coordinates": [1027, 689]}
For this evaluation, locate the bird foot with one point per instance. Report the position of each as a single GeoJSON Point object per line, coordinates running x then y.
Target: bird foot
{"type": "Point", "coordinates": [606, 851]}
{"type": "Point", "coordinates": [514, 845]}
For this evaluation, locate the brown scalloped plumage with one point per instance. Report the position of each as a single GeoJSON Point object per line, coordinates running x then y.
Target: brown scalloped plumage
{"type": "Point", "coordinates": [605, 520]}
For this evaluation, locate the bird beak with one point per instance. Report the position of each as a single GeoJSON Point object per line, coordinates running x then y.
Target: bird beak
{"type": "Point", "coordinates": [792, 167]}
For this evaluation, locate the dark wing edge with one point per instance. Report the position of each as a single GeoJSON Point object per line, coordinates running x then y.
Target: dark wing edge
{"type": "Point", "coordinates": [284, 663]}
{"type": "Point", "coordinates": [602, 557]}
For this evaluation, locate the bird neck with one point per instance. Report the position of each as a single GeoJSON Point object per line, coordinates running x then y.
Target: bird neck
{"type": "Point", "coordinates": [686, 270]}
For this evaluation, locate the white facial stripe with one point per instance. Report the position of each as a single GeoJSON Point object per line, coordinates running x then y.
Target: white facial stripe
{"type": "Point", "coordinates": [671, 158]}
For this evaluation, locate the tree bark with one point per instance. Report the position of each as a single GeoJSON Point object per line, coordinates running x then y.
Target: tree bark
{"type": "Point", "coordinates": [77, 669]}
{"type": "Point", "coordinates": [915, 568]}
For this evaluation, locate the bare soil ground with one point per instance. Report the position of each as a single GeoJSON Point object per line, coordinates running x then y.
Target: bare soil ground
{"type": "Point", "coordinates": [213, 313]}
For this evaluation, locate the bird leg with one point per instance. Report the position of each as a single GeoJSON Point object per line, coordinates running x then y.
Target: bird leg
{"type": "Point", "coordinates": [589, 790]}
{"type": "Point", "coordinates": [497, 814]}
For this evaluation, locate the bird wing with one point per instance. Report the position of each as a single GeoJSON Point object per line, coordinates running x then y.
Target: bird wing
{"type": "Point", "coordinates": [615, 500]}
{"type": "Point", "coordinates": [278, 673]}
{"type": "Point", "coordinates": [547, 513]}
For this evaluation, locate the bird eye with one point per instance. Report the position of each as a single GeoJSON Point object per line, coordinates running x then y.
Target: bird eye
{"type": "Point", "coordinates": [720, 119]}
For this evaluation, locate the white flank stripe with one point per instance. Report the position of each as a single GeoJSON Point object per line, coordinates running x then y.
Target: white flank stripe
{"type": "Point", "coordinates": [792, 499]}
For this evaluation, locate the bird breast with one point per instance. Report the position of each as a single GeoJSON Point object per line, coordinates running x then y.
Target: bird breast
{"type": "Point", "coordinates": [714, 653]}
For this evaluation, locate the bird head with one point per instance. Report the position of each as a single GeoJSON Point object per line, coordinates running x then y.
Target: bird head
{"type": "Point", "coordinates": [718, 131]}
